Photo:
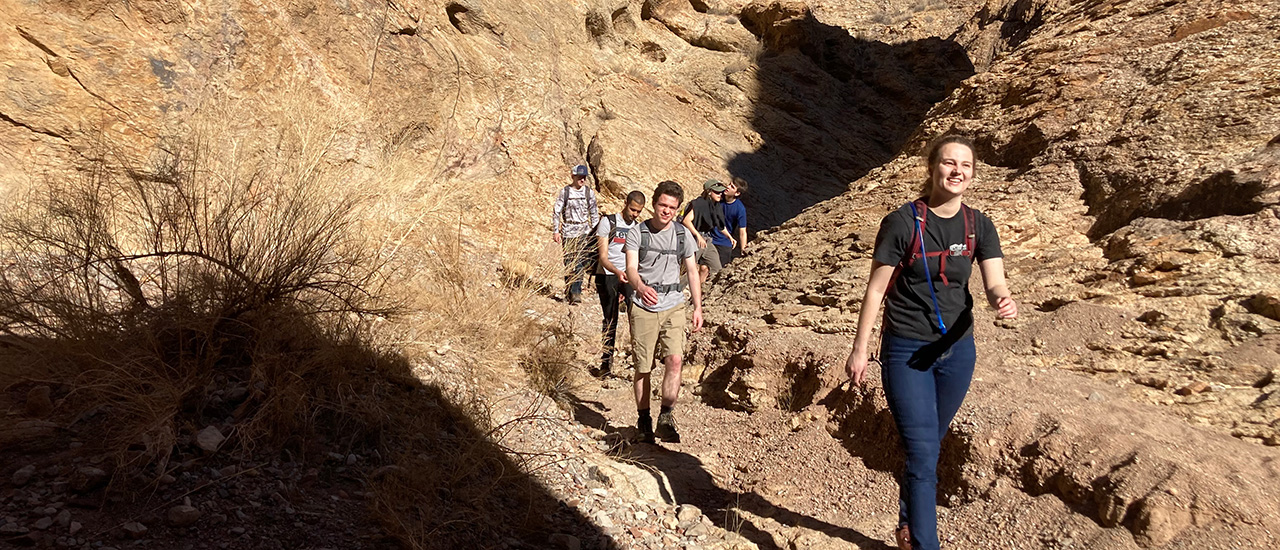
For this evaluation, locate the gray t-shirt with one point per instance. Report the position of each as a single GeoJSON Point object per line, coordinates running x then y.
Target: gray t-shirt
{"type": "Point", "coordinates": [617, 256]}
{"type": "Point", "coordinates": [657, 268]}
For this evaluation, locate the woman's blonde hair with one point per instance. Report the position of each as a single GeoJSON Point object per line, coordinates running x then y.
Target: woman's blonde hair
{"type": "Point", "coordinates": [934, 154]}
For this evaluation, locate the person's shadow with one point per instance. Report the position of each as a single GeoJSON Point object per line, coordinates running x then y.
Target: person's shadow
{"type": "Point", "coordinates": [692, 484]}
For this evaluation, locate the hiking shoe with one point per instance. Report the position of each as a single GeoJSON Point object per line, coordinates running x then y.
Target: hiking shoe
{"type": "Point", "coordinates": [902, 535]}
{"type": "Point", "coordinates": [667, 428]}
{"type": "Point", "coordinates": [644, 433]}
{"type": "Point", "coordinates": [601, 371]}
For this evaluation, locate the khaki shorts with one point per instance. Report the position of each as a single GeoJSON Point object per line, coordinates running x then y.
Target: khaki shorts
{"type": "Point", "coordinates": [663, 330]}
{"type": "Point", "coordinates": [710, 257]}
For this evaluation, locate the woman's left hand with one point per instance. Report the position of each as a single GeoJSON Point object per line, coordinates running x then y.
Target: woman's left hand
{"type": "Point", "coordinates": [1006, 308]}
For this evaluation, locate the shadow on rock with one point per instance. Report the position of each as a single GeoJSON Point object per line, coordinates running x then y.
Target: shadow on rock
{"type": "Point", "coordinates": [829, 107]}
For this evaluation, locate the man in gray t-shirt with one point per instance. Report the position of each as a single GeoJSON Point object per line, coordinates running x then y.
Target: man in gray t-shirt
{"type": "Point", "coordinates": [655, 250]}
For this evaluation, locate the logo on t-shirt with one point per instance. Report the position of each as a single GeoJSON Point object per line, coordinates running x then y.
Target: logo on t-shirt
{"type": "Point", "coordinates": [620, 237]}
{"type": "Point", "coordinates": [958, 249]}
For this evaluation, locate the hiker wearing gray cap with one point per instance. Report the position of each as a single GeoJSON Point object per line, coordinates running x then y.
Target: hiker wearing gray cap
{"type": "Point", "coordinates": [574, 217]}
{"type": "Point", "coordinates": [705, 219]}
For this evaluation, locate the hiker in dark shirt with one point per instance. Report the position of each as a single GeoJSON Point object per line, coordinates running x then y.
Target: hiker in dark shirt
{"type": "Point", "coordinates": [705, 218]}
{"type": "Point", "coordinates": [923, 257]}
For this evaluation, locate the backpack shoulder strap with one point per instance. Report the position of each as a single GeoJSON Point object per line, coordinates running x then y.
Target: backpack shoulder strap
{"type": "Point", "coordinates": [970, 229]}
{"type": "Point", "coordinates": [920, 216]}
{"type": "Point", "coordinates": [613, 225]}
{"type": "Point", "coordinates": [919, 210]}
{"type": "Point", "coordinates": [645, 236]}
{"type": "Point", "coordinates": [564, 201]}
{"type": "Point", "coordinates": [680, 231]}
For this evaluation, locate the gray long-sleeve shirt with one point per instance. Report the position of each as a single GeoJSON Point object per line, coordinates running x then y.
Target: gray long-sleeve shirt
{"type": "Point", "coordinates": [581, 216]}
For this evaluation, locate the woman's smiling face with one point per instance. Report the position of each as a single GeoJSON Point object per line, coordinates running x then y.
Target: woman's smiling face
{"type": "Point", "coordinates": [953, 172]}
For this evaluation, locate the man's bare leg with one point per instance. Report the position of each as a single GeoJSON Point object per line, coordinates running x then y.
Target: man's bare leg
{"type": "Point", "coordinates": [671, 380]}
{"type": "Point", "coordinates": [642, 387]}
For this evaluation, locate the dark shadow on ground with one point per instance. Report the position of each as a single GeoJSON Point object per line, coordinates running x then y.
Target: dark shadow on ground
{"type": "Point", "coordinates": [692, 484]}
{"type": "Point", "coordinates": [434, 477]}
{"type": "Point", "coordinates": [830, 107]}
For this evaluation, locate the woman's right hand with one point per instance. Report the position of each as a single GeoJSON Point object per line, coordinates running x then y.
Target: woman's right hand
{"type": "Point", "coordinates": [856, 366]}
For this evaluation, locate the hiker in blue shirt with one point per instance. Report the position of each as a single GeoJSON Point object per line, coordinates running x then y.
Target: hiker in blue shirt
{"type": "Point", "coordinates": [735, 221]}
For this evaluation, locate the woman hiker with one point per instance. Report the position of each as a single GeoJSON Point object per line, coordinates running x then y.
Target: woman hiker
{"type": "Point", "coordinates": [924, 254]}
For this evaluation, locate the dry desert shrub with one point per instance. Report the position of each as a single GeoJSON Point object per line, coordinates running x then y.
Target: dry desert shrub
{"type": "Point", "coordinates": [253, 283]}
{"type": "Point", "coordinates": [550, 363]}
{"type": "Point", "coordinates": [195, 287]}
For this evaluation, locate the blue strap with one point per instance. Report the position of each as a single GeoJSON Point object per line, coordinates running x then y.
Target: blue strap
{"type": "Point", "coordinates": [927, 276]}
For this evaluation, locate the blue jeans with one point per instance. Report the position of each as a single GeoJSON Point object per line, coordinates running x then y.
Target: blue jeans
{"type": "Point", "coordinates": [925, 383]}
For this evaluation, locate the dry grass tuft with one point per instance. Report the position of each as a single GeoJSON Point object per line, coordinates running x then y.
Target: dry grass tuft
{"type": "Point", "coordinates": [550, 364]}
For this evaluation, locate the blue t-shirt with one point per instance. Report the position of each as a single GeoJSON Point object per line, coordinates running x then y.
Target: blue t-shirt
{"type": "Point", "coordinates": [735, 218]}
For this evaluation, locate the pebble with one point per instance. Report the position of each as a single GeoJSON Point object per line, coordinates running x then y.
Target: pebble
{"type": "Point", "coordinates": [599, 476]}
{"type": "Point", "coordinates": [43, 523]}
{"type": "Point", "coordinates": [1198, 386]}
{"type": "Point", "coordinates": [74, 528]}
{"type": "Point", "coordinates": [1096, 397]}
{"type": "Point", "coordinates": [63, 518]}
{"type": "Point", "coordinates": [603, 520]}
{"type": "Point", "coordinates": [183, 515]}
{"type": "Point", "coordinates": [687, 515]}
{"type": "Point", "coordinates": [209, 439]}
{"type": "Point", "coordinates": [88, 478]}
{"type": "Point", "coordinates": [134, 530]}
{"type": "Point", "coordinates": [237, 531]}
{"type": "Point", "coordinates": [23, 475]}
{"type": "Point", "coordinates": [699, 530]}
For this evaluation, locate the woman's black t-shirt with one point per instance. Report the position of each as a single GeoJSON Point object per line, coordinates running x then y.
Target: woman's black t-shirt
{"type": "Point", "coordinates": [909, 311]}
{"type": "Point", "coordinates": [708, 216]}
